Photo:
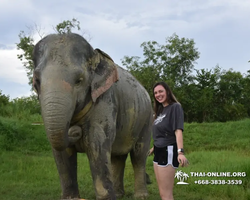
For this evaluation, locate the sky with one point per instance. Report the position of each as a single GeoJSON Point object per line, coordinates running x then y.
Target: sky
{"type": "Point", "coordinates": [219, 28]}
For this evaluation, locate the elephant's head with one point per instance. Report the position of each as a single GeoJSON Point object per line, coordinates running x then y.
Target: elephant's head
{"type": "Point", "coordinates": [68, 74]}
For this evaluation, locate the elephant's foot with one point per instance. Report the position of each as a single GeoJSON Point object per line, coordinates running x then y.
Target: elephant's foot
{"type": "Point", "coordinates": [141, 195]}
{"type": "Point", "coordinates": [74, 199]}
{"type": "Point", "coordinates": [119, 195]}
{"type": "Point", "coordinates": [107, 198]}
{"type": "Point", "coordinates": [119, 192]}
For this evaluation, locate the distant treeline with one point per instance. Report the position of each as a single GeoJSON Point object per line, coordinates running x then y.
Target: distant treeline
{"type": "Point", "coordinates": [215, 96]}
{"type": "Point", "coordinates": [211, 95]}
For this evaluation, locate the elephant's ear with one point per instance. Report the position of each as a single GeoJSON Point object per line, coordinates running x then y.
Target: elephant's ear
{"type": "Point", "coordinates": [105, 74]}
{"type": "Point", "coordinates": [35, 89]}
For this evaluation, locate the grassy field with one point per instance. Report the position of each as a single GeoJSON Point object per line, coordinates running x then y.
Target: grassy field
{"type": "Point", "coordinates": [28, 171]}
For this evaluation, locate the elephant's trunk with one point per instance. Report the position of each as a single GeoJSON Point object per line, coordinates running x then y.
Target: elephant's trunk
{"type": "Point", "coordinates": [57, 112]}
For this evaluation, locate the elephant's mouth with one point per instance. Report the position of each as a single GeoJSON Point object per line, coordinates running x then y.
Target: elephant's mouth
{"type": "Point", "coordinates": [78, 108]}
{"type": "Point", "coordinates": [80, 115]}
{"type": "Point", "coordinates": [82, 107]}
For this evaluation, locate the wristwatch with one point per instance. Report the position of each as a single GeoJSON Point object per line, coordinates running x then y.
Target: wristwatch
{"type": "Point", "coordinates": [181, 150]}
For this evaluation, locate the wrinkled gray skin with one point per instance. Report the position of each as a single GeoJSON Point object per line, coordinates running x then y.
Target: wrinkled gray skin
{"type": "Point", "coordinates": [68, 74]}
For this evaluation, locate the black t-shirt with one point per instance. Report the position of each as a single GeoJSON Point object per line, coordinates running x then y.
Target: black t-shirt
{"type": "Point", "coordinates": [166, 123]}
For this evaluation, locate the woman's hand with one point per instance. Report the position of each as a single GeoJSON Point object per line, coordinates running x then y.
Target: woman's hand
{"type": "Point", "coordinates": [150, 152]}
{"type": "Point", "coordinates": [183, 160]}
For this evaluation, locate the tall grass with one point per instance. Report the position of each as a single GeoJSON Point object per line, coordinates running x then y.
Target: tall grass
{"type": "Point", "coordinates": [218, 136]}
{"type": "Point", "coordinates": [28, 170]}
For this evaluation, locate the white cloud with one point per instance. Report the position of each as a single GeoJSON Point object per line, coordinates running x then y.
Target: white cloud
{"type": "Point", "coordinates": [11, 68]}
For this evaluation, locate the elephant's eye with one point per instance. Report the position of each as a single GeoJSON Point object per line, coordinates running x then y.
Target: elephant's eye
{"type": "Point", "coordinates": [79, 81]}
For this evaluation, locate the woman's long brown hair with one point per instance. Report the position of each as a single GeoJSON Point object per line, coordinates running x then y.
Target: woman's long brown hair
{"type": "Point", "coordinates": [158, 107]}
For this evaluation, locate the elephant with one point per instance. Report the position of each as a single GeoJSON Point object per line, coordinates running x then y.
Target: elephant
{"type": "Point", "coordinates": [91, 105]}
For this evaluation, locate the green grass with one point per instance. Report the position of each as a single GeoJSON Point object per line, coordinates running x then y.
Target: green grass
{"type": "Point", "coordinates": [217, 136]}
{"type": "Point", "coordinates": [28, 170]}
{"type": "Point", "coordinates": [216, 161]}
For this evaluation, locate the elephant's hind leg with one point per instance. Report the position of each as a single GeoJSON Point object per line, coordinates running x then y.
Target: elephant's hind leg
{"type": "Point", "coordinates": [118, 166]}
{"type": "Point", "coordinates": [138, 158]}
{"type": "Point", "coordinates": [139, 174]}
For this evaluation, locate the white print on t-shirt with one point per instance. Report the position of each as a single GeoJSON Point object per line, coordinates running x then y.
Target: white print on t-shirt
{"type": "Point", "coordinates": [159, 119]}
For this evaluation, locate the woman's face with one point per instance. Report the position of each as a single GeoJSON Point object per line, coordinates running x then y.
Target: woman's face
{"type": "Point", "coordinates": [160, 95]}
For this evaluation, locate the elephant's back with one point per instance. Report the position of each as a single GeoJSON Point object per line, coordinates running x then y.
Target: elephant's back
{"type": "Point", "coordinates": [134, 109]}
{"type": "Point", "coordinates": [131, 91]}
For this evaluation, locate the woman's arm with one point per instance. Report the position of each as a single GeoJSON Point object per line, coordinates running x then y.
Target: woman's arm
{"type": "Point", "coordinates": [179, 138]}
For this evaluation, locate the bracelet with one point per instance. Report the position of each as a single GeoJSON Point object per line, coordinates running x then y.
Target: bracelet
{"type": "Point", "coordinates": [181, 150]}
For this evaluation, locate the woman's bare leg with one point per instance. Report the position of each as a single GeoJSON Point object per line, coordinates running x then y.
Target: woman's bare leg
{"type": "Point", "coordinates": [165, 180]}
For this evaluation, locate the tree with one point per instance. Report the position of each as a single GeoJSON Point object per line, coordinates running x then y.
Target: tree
{"type": "Point", "coordinates": [67, 26]}
{"type": "Point", "coordinates": [27, 44]}
{"type": "Point", "coordinates": [207, 88]}
{"type": "Point", "coordinates": [246, 92]}
{"type": "Point", "coordinates": [172, 62]}
{"type": "Point", "coordinates": [4, 101]}
{"type": "Point", "coordinates": [230, 96]}
{"type": "Point", "coordinates": [187, 96]}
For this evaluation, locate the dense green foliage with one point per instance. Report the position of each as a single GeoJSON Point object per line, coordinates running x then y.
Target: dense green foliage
{"type": "Point", "coordinates": [20, 108]}
{"type": "Point", "coordinates": [4, 101]}
{"type": "Point", "coordinates": [16, 135]}
{"type": "Point", "coordinates": [24, 110]}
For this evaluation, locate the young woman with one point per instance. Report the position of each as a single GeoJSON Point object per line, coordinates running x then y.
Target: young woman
{"type": "Point", "coordinates": [168, 140]}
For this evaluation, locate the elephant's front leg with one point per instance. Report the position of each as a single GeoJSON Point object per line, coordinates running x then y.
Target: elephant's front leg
{"type": "Point", "coordinates": [99, 154]}
{"type": "Point", "coordinates": [66, 162]}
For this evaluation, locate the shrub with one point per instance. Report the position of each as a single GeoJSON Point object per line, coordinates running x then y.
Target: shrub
{"type": "Point", "coordinates": [4, 101]}
{"type": "Point", "coordinates": [21, 136]}
{"type": "Point", "coordinates": [26, 104]}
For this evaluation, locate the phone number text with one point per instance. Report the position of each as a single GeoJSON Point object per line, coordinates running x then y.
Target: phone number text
{"type": "Point", "coordinates": [218, 182]}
